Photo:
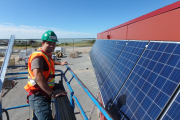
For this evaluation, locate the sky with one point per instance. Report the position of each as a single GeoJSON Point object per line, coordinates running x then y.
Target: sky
{"type": "Point", "coordinates": [29, 19]}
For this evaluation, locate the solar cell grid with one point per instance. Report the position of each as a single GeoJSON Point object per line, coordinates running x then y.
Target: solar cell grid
{"type": "Point", "coordinates": [173, 112]}
{"type": "Point", "coordinates": [122, 69]}
{"type": "Point", "coordinates": [110, 60]}
{"type": "Point", "coordinates": [101, 50]}
{"type": "Point", "coordinates": [103, 58]}
{"type": "Point", "coordinates": [107, 51]}
{"type": "Point", "coordinates": [96, 54]}
{"type": "Point", "coordinates": [152, 81]}
{"type": "Point", "coordinates": [98, 49]}
{"type": "Point", "coordinates": [93, 50]}
{"type": "Point", "coordinates": [100, 56]}
{"type": "Point", "coordinates": [104, 52]}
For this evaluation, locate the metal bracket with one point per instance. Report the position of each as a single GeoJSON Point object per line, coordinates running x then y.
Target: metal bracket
{"type": "Point", "coordinates": [70, 79]}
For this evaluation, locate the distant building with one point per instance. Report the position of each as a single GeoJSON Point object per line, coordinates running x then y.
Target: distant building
{"type": "Point", "coordinates": [3, 49]}
{"type": "Point", "coordinates": [3, 43]}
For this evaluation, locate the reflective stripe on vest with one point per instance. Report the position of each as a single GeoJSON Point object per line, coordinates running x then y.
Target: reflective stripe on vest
{"type": "Point", "coordinates": [32, 82]}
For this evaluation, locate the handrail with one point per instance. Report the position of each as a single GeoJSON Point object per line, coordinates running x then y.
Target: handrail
{"type": "Point", "coordinates": [20, 106]}
{"type": "Point", "coordinates": [27, 73]}
{"type": "Point", "coordinates": [12, 66]}
{"type": "Point", "coordinates": [71, 91]}
{"type": "Point", "coordinates": [96, 102]}
{"type": "Point", "coordinates": [16, 73]}
{"type": "Point", "coordinates": [80, 108]}
{"type": "Point", "coordinates": [73, 98]}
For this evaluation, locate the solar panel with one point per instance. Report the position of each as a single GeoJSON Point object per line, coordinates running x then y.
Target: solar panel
{"type": "Point", "coordinates": [152, 81]}
{"type": "Point", "coordinates": [102, 48]}
{"type": "Point", "coordinates": [94, 54]}
{"type": "Point", "coordinates": [106, 52]}
{"type": "Point", "coordinates": [103, 59]}
{"type": "Point", "coordinates": [95, 50]}
{"type": "Point", "coordinates": [174, 109]}
{"type": "Point", "coordinates": [108, 63]}
{"type": "Point", "coordinates": [138, 82]}
{"type": "Point", "coordinates": [121, 69]}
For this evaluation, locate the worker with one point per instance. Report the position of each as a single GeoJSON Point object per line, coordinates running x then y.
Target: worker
{"type": "Point", "coordinates": [41, 78]}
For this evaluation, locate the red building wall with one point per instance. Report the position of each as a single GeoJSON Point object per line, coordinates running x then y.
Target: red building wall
{"type": "Point", "coordinates": [119, 33]}
{"type": "Point", "coordinates": [161, 27]}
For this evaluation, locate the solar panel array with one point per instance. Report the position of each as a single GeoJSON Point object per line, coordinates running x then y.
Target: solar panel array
{"type": "Point", "coordinates": [139, 78]}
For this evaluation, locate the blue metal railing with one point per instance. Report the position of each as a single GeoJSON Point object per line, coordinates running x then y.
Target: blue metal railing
{"type": "Point", "coordinates": [96, 102]}
{"type": "Point", "coordinates": [72, 97]}
{"type": "Point", "coordinates": [80, 108]}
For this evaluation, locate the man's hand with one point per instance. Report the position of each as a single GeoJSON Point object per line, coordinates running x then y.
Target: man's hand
{"type": "Point", "coordinates": [60, 63]}
{"type": "Point", "coordinates": [64, 63]}
{"type": "Point", "coordinates": [59, 93]}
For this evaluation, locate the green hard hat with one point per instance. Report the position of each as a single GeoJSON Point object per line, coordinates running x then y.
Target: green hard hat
{"type": "Point", "coordinates": [49, 36]}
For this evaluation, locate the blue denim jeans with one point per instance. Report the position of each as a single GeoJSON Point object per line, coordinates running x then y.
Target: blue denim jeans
{"type": "Point", "coordinates": [41, 107]}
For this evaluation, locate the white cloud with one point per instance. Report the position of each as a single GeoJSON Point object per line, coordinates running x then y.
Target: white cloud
{"type": "Point", "coordinates": [8, 23]}
{"type": "Point", "coordinates": [24, 26]}
{"type": "Point", "coordinates": [30, 32]}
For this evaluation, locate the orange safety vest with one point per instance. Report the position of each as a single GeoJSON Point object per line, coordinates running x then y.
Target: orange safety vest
{"type": "Point", "coordinates": [32, 86]}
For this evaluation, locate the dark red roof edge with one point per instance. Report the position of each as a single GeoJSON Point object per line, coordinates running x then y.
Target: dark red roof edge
{"type": "Point", "coordinates": [151, 14]}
